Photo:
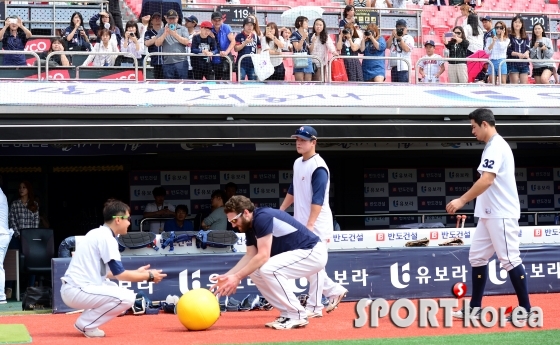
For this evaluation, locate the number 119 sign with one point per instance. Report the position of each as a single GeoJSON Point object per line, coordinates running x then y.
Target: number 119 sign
{"type": "Point", "coordinates": [235, 14]}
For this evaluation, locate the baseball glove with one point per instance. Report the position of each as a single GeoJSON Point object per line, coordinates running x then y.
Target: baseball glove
{"type": "Point", "coordinates": [453, 242]}
{"type": "Point", "coordinates": [418, 243]}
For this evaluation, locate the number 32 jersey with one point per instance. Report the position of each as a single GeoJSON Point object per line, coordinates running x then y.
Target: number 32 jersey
{"type": "Point", "coordinates": [500, 200]}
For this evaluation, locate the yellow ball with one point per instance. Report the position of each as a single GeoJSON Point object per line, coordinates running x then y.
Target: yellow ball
{"type": "Point", "coordinates": [198, 309]}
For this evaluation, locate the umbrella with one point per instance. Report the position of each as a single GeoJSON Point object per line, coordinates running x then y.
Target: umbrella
{"type": "Point", "coordinates": [311, 12]}
{"type": "Point", "coordinates": [474, 67]}
{"type": "Point", "coordinates": [161, 6]}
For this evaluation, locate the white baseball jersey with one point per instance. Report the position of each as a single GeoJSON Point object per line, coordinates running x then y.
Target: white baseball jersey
{"type": "Point", "coordinates": [156, 225]}
{"type": "Point", "coordinates": [89, 265]}
{"type": "Point", "coordinates": [303, 194]}
{"type": "Point", "coordinates": [431, 68]}
{"type": "Point", "coordinates": [500, 200]}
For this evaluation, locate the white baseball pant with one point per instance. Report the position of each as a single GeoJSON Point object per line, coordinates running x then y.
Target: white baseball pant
{"type": "Point", "coordinates": [500, 235]}
{"type": "Point", "coordinates": [101, 303]}
{"type": "Point", "coordinates": [273, 278]}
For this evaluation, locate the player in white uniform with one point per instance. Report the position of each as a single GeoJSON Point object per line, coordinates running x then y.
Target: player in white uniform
{"type": "Point", "coordinates": [431, 70]}
{"type": "Point", "coordinates": [85, 284]}
{"type": "Point", "coordinates": [279, 248]}
{"type": "Point", "coordinates": [309, 192]}
{"type": "Point", "coordinates": [497, 208]}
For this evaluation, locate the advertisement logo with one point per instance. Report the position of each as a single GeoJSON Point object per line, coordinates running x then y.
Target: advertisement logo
{"type": "Point", "coordinates": [396, 276]}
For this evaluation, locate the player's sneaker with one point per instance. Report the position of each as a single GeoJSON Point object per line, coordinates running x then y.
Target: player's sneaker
{"type": "Point", "coordinates": [335, 300]}
{"type": "Point", "coordinates": [313, 314]}
{"type": "Point", "coordinates": [280, 319]}
{"type": "Point", "coordinates": [290, 323]}
{"type": "Point", "coordinates": [523, 316]}
{"type": "Point", "coordinates": [93, 333]}
{"type": "Point", "coordinates": [460, 314]}
{"type": "Point", "coordinates": [3, 301]}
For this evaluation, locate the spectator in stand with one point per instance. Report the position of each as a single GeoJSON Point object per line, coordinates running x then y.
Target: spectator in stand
{"type": "Point", "coordinates": [518, 48]}
{"type": "Point", "coordinates": [489, 27]}
{"type": "Point", "coordinates": [462, 19]}
{"type": "Point", "coordinates": [174, 38]}
{"type": "Point", "coordinates": [247, 42]}
{"type": "Point", "coordinates": [541, 49]}
{"type": "Point", "coordinates": [158, 209]}
{"type": "Point", "coordinates": [156, 61]}
{"type": "Point", "coordinates": [348, 17]}
{"type": "Point", "coordinates": [206, 46]}
{"type": "Point", "coordinates": [106, 21]}
{"type": "Point", "coordinates": [57, 45]}
{"type": "Point", "coordinates": [401, 46]}
{"type": "Point", "coordinates": [396, 4]}
{"type": "Point", "coordinates": [132, 42]}
{"type": "Point", "coordinates": [115, 11]}
{"type": "Point", "coordinates": [300, 45]}
{"type": "Point", "coordinates": [76, 35]}
{"type": "Point", "coordinates": [14, 37]}
{"type": "Point", "coordinates": [106, 46]}
{"type": "Point", "coordinates": [497, 47]}
{"type": "Point", "coordinates": [349, 45]}
{"type": "Point", "coordinates": [359, 3]}
{"type": "Point", "coordinates": [257, 28]}
{"type": "Point", "coordinates": [179, 223]}
{"type": "Point", "coordinates": [190, 23]}
{"type": "Point", "coordinates": [473, 33]}
{"type": "Point", "coordinates": [225, 38]}
{"type": "Point", "coordinates": [430, 70]}
{"type": "Point", "coordinates": [457, 45]}
{"type": "Point", "coordinates": [373, 44]}
{"type": "Point", "coordinates": [321, 45]}
{"type": "Point", "coordinates": [285, 33]}
{"type": "Point", "coordinates": [437, 3]}
{"type": "Point", "coordinates": [273, 43]}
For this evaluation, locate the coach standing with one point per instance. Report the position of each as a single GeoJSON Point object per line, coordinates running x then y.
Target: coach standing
{"type": "Point", "coordinates": [309, 192]}
{"type": "Point", "coordinates": [498, 211]}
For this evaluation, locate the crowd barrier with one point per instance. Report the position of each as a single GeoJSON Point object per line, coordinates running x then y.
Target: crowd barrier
{"type": "Point", "coordinates": [389, 273]}
{"type": "Point", "coordinates": [498, 81]}
{"type": "Point", "coordinates": [388, 58]}
{"type": "Point", "coordinates": [285, 56]}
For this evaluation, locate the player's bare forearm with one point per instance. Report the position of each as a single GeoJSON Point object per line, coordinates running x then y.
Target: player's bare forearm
{"type": "Point", "coordinates": [480, 186]}
{"type": "Point", "coordinates": [288, 201]}
{"type": "Point", "coordinates": [313, 215]}
{"type": "Point", "coordinates": [243, 262]}
{"type": "Point", "coordinates": [256, 262]}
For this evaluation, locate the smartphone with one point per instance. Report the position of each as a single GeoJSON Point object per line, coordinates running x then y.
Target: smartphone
{"type": "Point", "coordinates": [449, 34]}
{"type": "Point", "coordinates": [172, 27]}
{"type": "Point", "coordinates": [13, 21]}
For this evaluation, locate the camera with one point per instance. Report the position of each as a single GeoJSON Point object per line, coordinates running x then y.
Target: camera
{"type": "Point", "coordinates": [367, 33]}
{"type": "Point", "coordinates": [80, 28]}
{"type": "Point", "coordinates": [131, 34]}
{"type": "Point", "coordinates": [541, 44]}
{"type": "Point", "coordinates": [345, 32]}
{"type": "Point", "coordinates": [400, 31]}
{"type": "Point", "coordinates": [171, 26]}
{"type": "Point", "coordinates": [13, 21]}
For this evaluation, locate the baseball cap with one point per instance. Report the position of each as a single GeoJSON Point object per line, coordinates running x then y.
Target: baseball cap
{"type": "Point", "coordinates": [192, 19]}
{"type": "Point", "coordinates": [430, 42]}
{"type": "Point", "coordinates": [172, 14]}
{"type": "Point", "coordinates": [206, 24]}
{"type": "Point", "coordinates": [488, 18]}
{"type": "Point", "coordinates": [156, 14]}
{"type": "Point", "coordinates": [248, 20]}
{"type": "Point", "coordinates": [306, 133]}
{"type": "Point", "coordinates": [401, 22]}
{"type": "Point", "coordinates": [216, 15]}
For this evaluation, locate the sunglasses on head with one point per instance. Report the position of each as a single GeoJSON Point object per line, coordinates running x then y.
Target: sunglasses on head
{"type": "Point", "coordinates": [234, 219]}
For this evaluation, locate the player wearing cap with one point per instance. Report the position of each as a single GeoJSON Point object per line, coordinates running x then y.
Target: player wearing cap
{"type": "Point", "coordinates": [430, 70]}
{"type": "Point", "coordinates": [174, 38]}
{"type": "Point", "coordinates": [309, 193]}
{"type": "Point", "coordinates": [85, 284]}
{"type": "Point", "coordinates": [247, 42]}
{"type": "Point", "coordinates": [497, 208]}
{"type": "Point", "coordinates": [400, 44]}
{"type": "Point", "coordinates": [279, 248]}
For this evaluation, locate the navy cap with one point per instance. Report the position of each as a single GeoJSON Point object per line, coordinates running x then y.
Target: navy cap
{"type": "Point", "coordinates": [401, 22]}
{"type": "Point", "coordinates": [192, 19]}
{"type": "Point", "coordinates": [305, 133]}
{"type": "Point", "coordinates": [248, 20]}
{"type": "Point", "coordinates": [156, 14]}
{"type": "Point", "coordinates": [488, 18]}
{"type": "Point", "coordinates": [430, 42]}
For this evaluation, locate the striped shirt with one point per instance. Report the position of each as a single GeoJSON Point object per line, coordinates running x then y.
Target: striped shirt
{"type": "Point", "coordinates": [22, 218]}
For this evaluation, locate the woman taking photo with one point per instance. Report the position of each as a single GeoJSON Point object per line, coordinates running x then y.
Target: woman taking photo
{"type": "Point", "coordinates": [349, 44]}
{"type": "Point", "coordinates": [106, 21]}
{"type": "Point", "coordinates": [76, 35]}
{"type": "Point", "coordinates": [274, 43]}
{"type": "Point", "coordinates": [541, 49]}
{"type": "Point", "coordinates": [132, 42]}
{"type": "Point", "coordinates": [518, 48]}
{"type": "Point", "coordinates": [373, 44]}
{"type": "Point", "coordinates": [321, 45]}
{"type": "Point", "coordinates": [457, 45]}
{"type": "Point", "coordinates": [497, 47]}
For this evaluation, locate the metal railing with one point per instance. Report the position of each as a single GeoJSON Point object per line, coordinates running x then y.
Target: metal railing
{"type": "Point", "coordinates": [151, 219]}
{"type": "Point", "coordinates": [511, 14]}
{"type": "Point", "coordinates": [522, 61]}
{"type": "Point", "coordinates": [329, 69]}
{"type": "Point", "coordinates": [451, 59]}
{"type": "Point", "coordinates": [20, 52]}
{"type": "Point", "coordinates": [127, 54]}
{"type": "Point", "coordinates": [185, 54]}
{"type": "Point", "coordinates": [283, 56]}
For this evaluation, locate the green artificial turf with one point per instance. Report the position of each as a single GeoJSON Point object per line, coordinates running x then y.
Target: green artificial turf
{"type": "Point", "coordinates": [14, 334]}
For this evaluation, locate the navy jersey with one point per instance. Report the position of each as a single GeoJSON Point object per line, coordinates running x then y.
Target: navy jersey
{"type": "Point", "coordinates": [287, 233]}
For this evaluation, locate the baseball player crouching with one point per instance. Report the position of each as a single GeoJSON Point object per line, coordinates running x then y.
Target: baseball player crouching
{"type": "Point", "coordinates": [279, 248]}
{"type": "Point", "coordinates": [85, 284]}
{"type": "Point", "coordinates": [430, 70]}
